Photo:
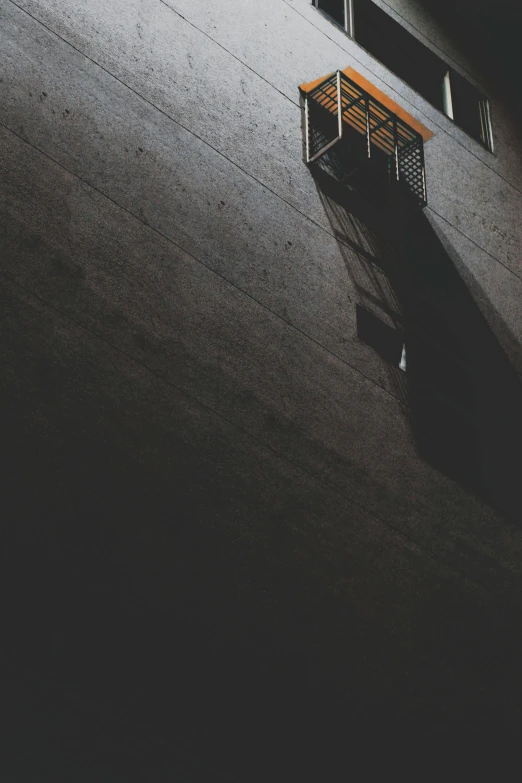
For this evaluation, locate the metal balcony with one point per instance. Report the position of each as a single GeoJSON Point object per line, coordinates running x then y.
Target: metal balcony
{"type": "Point", "coordinates": [362, 144]}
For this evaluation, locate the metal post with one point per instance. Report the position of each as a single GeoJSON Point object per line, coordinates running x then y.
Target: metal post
{"type": "Point", "coordinates": [339, 104]}
{"type": "Point", "coordinates": [307, 134]}
{"type": "Point", "coordinates": [396, 147]}
{"type": "Point", "coordinates": [487, 112]}
{"type": "Point", "coordinates": [424, 193]}
{"type": "Point", "coordinates": [368, 140]}
{"type": "Point", "coordinates": [447, 100]}
{"type": "Point", "coordinates": [348, 18]}
{"type": "Point", "coordinates": [482, 117]}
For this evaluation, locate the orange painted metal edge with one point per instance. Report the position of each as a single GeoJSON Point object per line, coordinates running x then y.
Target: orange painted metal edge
{"type": "Point", "coordinates": [379, 96]}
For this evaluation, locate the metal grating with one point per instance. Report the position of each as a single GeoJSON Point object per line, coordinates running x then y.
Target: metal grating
{"type": "Point", "coordinates": [347, 128]}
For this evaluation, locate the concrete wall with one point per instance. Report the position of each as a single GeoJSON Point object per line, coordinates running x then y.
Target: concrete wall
{"type": "Point", "coordinates": [186, 402]}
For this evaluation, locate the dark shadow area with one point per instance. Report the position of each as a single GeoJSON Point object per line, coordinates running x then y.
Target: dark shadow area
{"type": "Point", "coordinates": [463, 397]}
{"type": "Point", "coordinates": [186, 657]}
{"type": "Point", "coordinates": [146, 636]}
{"type": "Point", "coordinates": [387, 341]}
{"type": "Point", "coordinates": [488, 32]}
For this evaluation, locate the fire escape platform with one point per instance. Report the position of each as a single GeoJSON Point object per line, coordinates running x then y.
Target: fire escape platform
{"type": "Point", "coordinates": [380, 96]}
{"type": "Point", "coordinates": [364, 144]}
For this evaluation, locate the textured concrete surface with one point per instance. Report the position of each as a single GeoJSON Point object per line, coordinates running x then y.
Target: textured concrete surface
{"type": "Point", "coordinates": [162, 46]}
{"type": "Point", "coordinates": [218, 519]}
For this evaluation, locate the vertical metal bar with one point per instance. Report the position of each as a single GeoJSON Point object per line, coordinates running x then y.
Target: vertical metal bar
{"type": "Point", "coordinates": [483, 127]}
{"type": "Point", "coordinates": [368, 140]}
{"type": "Point", "coordinates": [447, 100]}
{"type": "Point", "coordinates": [396, 146]}
{"type": "Point", "coordinates": [339, 104]}
{"type": "Point", "coordinates": [490, 127]}
{"type": "Point", "coordinates": [424, 193]}
{"type": "Point", "coordinates": [348, 15]}
{"type": "Point", "coordinates": [307, 123]}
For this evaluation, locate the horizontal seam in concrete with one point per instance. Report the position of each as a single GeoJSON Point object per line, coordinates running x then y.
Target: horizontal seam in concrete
{"type": "Point", "coordinates": [400, 533]}
{"type": "Point", "coordinates": [430, 119]}
{"type": "Point", "coordinates": [222, 154]}
{"type": "Point", "coordinates": [498, 261]}
{"type": "Point", "coordinates": [235, 57]}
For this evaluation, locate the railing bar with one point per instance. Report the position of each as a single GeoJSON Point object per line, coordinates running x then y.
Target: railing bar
{"type": "Point", "coordinates": [323, 150]}
{"type": "Point", "coordinates": [339, 104]}
{"type": "Point", "coordinates": [380, 125]}
{"type": "Point", "coordinates": [368, 139]}
{"type": "Point", "coordinates": [358, 127]}
{"type": "Point", "coordinates": [358, 114]}
{"type": "Point", "coordinates": [411, 145]}
{"type": "Point", "coordinates": [314, 95]}
{"type": "Point", "coordinates": [384, 143]}
{"type": "Point", "coordinates": [352, 104]}
{"type": "Point", "coordinates": [387, 148]}
{"type": "Point", "coordinates": [352, 95]}
{"type": "Point", "coordinates": [359, 119]}
{"type": "Point", "coordinates": [325, 96]}
{"type": "Point", "coordinates": [383, 131]}
{"type": "Point", "coordinates": [396, 153]}
{"type": "Point", "coordinates": [378, 110]}
{"type": "Point", "coordinates": [374, 101]}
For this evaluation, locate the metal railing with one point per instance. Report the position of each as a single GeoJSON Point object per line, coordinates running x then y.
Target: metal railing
{"type": "Point", "coordinates": [346, 128]}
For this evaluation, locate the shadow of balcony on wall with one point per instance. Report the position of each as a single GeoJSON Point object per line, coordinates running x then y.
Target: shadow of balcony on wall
{"type": "Point", "coordinates": [462, 396]}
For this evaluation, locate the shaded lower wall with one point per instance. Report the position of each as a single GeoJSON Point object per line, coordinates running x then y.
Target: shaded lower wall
{"type": "Point", "coordinates": [161, 561]}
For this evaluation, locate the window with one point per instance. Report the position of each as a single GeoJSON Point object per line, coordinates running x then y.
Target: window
{"type": "Point", "coordinates": [385, 340]}
{"type": "Point", "coordinates": [335, 9]}
{"type": "Point", "coordinates": [418, 66]}
{"type": "Point", "coordinates": [340, 11]}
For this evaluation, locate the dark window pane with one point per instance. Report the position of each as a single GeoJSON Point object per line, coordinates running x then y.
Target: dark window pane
{"type": "Point", "coordinates": [334, 9]}
{"type": "Point", "coordinates": [387, 341]}
{"type": "Point", "coordinates": [466, 105]}
{"type": "Point", "coordinates": [399, 51]}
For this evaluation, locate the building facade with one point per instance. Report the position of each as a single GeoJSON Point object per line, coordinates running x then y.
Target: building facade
{"type": "Point", "coordinates": [261, 430]}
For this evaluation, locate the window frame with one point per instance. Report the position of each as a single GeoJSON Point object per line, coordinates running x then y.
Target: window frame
{"type": "Point", "coordinates": [483, 105]}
